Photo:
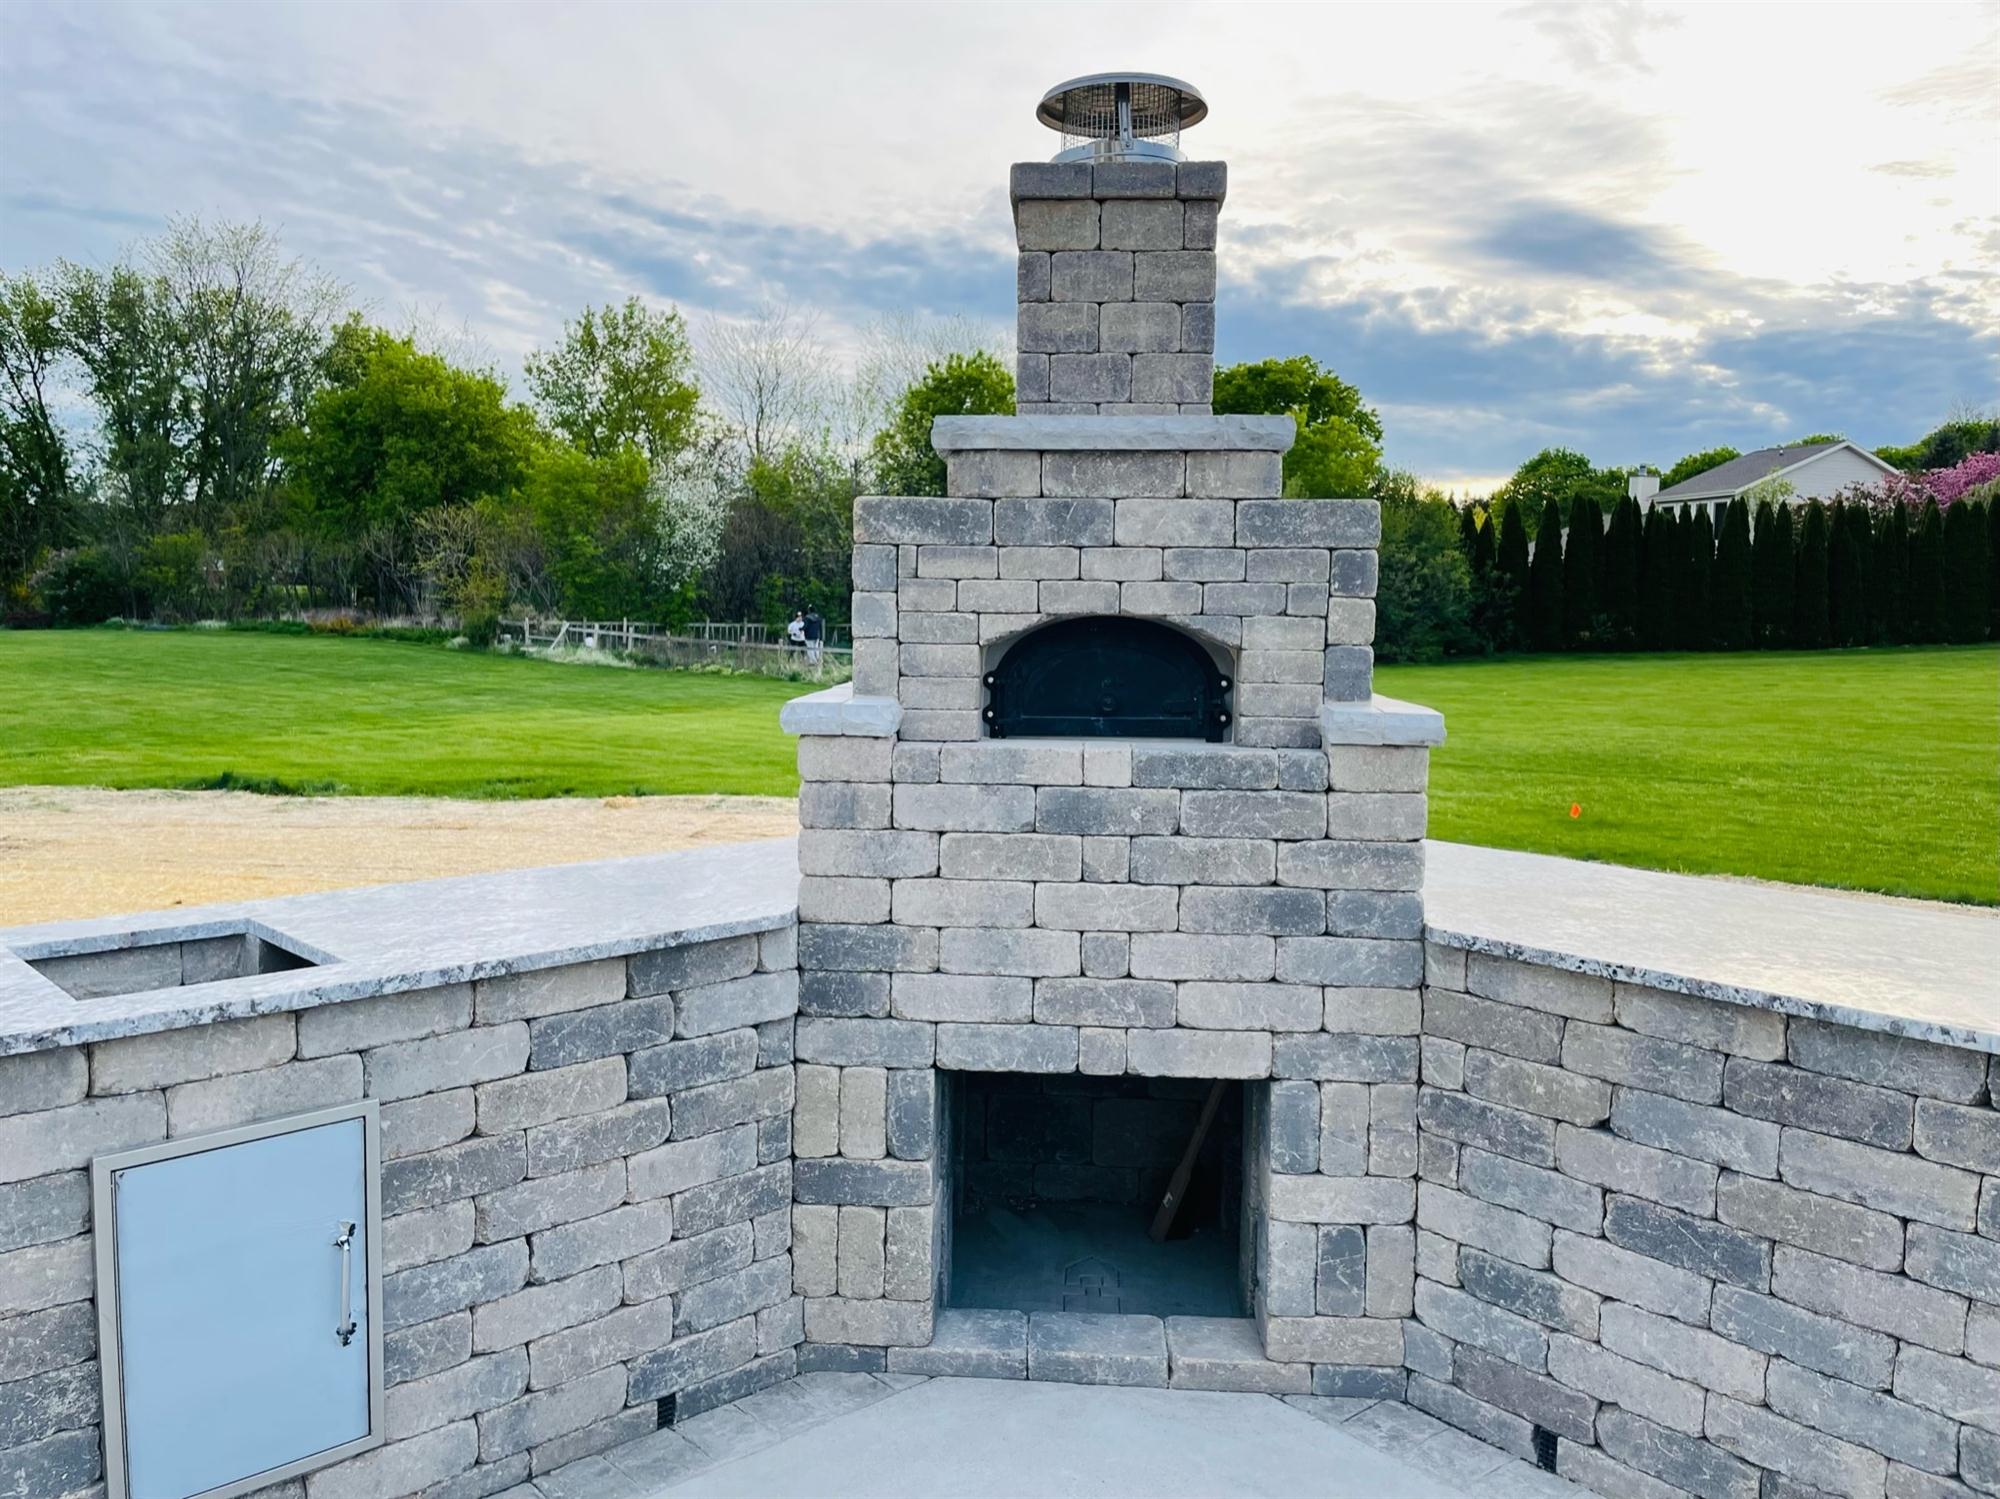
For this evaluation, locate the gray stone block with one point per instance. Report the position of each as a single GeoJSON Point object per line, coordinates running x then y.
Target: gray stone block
{"type": "Point", "coordinates": [719, 1106]}
{"type": "Point", "coordinates": [927, 521]}
{"type": "Point", "coordinates": [1637, 1170]}
{"type": "Point", "coordinates": [430, 1122]}
{"type": "Point", "coordinates": [1011, 856]}
{"type": "Point", "coordinates": [1090, 1348]}
{"type": "Point", "coordinates": [1472, 1121]}
{"type": "Point", "coordinates": [1774, 1442]}
{"type": "Point", "coordinates": [1137, 327]}
{"type": "Point", "coordinates": [1090, 275]}
{"type": "Point", "coordinates": [1144, 521]}
{"type": "Point", "coordinates": [1345, 1058]}
{"type": "Point", "coordinates": [1340, 1284]}
{"type": "Point", "coordinates": [1889, 1181]}
{"type": "Point", "coordinates": [1620, 1381]}
{"type": "Point", "coordinates": [241, 1097]}
{"type": "Point", "coordinates": [1204, 1054]}
{"type": "Point", "coordinates": [1534, 1294]}
{"type": "Point", "coordinates": [1687, 1463]}
{"type": "Point", "coordinates": [1048, 179]}
{"type": "Point", "coordinates": [1225, 1353]}
{"type": "Point", "coordinates": [1170, 378]}
{"type": "Point", "coordinates": [1636, 1278]}
{"type": "Point", "coordinates": [1535, 1088]}
{"type": "Point", "coordinates": [463, 1170]}
{"type": "Point", "coordinates": [1825, 1344]}
{"type": "Point", "coordinates": [1488, 1423]}
{"type": "Point", "coordinates": [864, 1043]}
{"type": "Point", "coordinates": [1957, 1262]}
{"type": "Point", "coordinates": [970, 1344]}
{"type": "Point", "coordinates": [1294, 1126]}
{"type": "Point", "coordinates": [44, 1210]}
{"type": "Point", "coordinates": [1341, 1199]}
{"type": "Point", "coordinates": [1395, 915]}
{"type": "Point", "coordinates": [1103, 1002]}
{"type": "Point", "coordinates": [430, 1291]}
{"type": "Point", "coordinates": [1889, 1061]}
{"type": "Point", "coordinates": [1007, 1048]}
{"type": "Point", "coordinates": [1689, 1353]}
{"type": "Point", "coordinates": [868, 949]}
{"type": "Point", "coordinates": [734, 1199]}
{"type": "Point", "coordinates": [1535, 1397]}
{"type": "Point", "coordinates": [1820, 1224]}
{"type": "Point", "coordinates": [542, 1203]}
{"type": "Point", "coordinates": [1466, 1319]}
{"type": "Point", "coordinates": [689, 1360]}
{"type": "Point", "coordinates": [1829, 1105]}
{"type": "Point", "coordinates": [1528, 1034]}
{"type": "Point", "coordinates": [1958, 1136]}
{"type": "Point", "coordinates": [1695, 1244]}
{"type": "Point", "coordinates": [863, 1183]}
{"type": "Point", "coordinates": [1736, 1029]}
{"type": "Point", "coordinates": [1545, 1195]}
{"type": "Point", "coordinates": [1067, 521]}
{"type": "Point", "coordinates": [1873, 1420]}
{"type": "Point", "coordinates": [894, 1324]}
{"type": "Point", "coordinates": [1892, 1304]}
{"type": "Point", "coordinates": [1746, 1145]}
{"type": "Point", "coordinates": [1045, 225]}
{"type": "Point", "coordinates": [1466, 1219]}
{"type": "Point", "coordinates": [1276, 912]}
{"type": "Point", "coordinates": [1352, 866]}
{"type": "Point", "coordinates": [660, 1070]}
{"type": "Point", "coordinates": [1202, 861]}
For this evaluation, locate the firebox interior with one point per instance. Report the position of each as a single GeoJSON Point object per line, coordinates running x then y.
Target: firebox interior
{"type": "Point", "coordinates": [1056, 1183]}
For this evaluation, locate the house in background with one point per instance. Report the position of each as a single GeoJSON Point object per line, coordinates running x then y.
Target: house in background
{"type": "Point", "coordinates": [1816, 471]}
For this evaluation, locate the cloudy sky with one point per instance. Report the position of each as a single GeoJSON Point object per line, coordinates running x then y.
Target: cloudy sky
{"type": "Point", "coordinates": [1630, 228]}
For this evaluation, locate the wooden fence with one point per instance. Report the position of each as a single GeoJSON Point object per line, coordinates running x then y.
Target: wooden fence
{"type": "Point", "coordinates": [707, 643]}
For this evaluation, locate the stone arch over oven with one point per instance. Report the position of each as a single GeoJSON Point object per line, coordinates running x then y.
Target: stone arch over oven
{"type": "Point", "coordinates": [1108, 676]}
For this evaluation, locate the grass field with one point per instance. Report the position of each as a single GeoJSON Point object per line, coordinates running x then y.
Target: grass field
{"type": "Point", "coordinates": [1871, 770]}
{"type": "Point", "coordinates": [317, 713]}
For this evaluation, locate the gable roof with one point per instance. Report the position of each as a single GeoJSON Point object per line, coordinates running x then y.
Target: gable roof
{"type": "Point", "coordinates": [1738, 474]}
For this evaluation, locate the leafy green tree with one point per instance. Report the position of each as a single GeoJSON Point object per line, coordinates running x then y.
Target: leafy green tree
{"type": "Point", "coordinates": [1697, 463]}
{"type": "Point", "coordinates": [1506, 624]}
{"type": "Point", "coordinates": [1624, 541]}
{"type": "Point", "coordinates": [1730, 619]}
{"type": "Point", "coordinates": [1545, 582]}
{"type": "Point", "coordinates": [1924, 606]}
{"type": "Point", "coordinates": [1564, 476]}
{"type": "Point", "coordinates": [38, 484]}
{"type": "Point", "coordinates": [395, 432]}
{"type": "Point", "coordinates": [1772, 567]}
{"type": "Point", "coordinates": [1698, 542]}
{"type": "Point", "coordinates": [621, 377]}
{"type": "Point", "coordinates": [1339, 446]}
{"type": "Point", "coordinates": [1848, 545]}
{"type": "Point", "coordinates": [1967, 573]}
{"type": "Point", "coordinates": [1888, 579]}
{"type": "Point", "coordinates": [1809, 600]}
{"type": "Point", "coordinates": [1468, 532]}
{"type": "Point", "coordinates": [1815, 439]}
{"type": "Point", "coordinates": [1946, 445]}
{"type": "Point", "coordinates": [1424, 595]}
{"type": "Point", "coordinates": [1582, 563]}
{"type": "Point", "coordinates": [961, 385]}
{"type": "Point", "coordinates": [593, 525]}
{"type": "Point", "coordinates": [1659, 580]}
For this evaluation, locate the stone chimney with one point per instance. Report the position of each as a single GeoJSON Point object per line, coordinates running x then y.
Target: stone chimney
{"type": "Point", "coordinates": [1116, 286]}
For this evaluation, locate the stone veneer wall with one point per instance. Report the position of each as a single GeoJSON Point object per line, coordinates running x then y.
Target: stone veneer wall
{"type": "Point", "coordinates": [1116, 286]}
{"type": "Point", "coordinates": [1713, 1250]}
{"type": "Point", "coordinates": [586, 1202]}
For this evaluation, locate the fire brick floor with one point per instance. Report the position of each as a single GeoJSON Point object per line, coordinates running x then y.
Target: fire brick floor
{"type": "Point", "coordinates": [1090, 1257]}
{"type": "Point", "coordinates": [869, 1436]}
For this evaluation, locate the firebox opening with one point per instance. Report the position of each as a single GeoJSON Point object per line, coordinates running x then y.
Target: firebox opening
{"type": "Point", "coordinates": [1113, 676]}
{"type": "Point", "coordinates": [1057, 1181]}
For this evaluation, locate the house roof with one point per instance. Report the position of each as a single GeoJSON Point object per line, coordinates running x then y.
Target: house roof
{"type": "Point", "coordinates": [1726, 480]}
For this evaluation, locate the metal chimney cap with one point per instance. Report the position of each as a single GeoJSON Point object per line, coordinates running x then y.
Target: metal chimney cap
{"type": "Point", "coordinates": [1121, 116]}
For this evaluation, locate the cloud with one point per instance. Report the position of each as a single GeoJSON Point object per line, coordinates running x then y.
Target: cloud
{"type": "Point", "coordinates": [1559, 240]}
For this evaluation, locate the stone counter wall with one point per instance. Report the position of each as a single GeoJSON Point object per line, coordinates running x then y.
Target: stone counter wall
{"type": "Point", "coordinates": [1710, 1249]}
{"type": "Point", "coordinates": [586, 1202]}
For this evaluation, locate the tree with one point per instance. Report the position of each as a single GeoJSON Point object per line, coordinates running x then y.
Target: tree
{"type": "Point", "coordinates": [1619, 597]}
{"type": "Point", "coordinates": [37, 477]}
{"type": "Point", "coordinates": [1582, 561]}
{"type": "Point", "coordinates": [1772, 567]}
{"type": "Point", "coordinates": [597, 542]}
{"type": "Point", "coordinates": [974, 384]}
{"type": "Point", "coordinates": [1424, 595]}
{"type": "Point", "coordinates": [395, 432]}
{"type": "Point", "coordinates": [770, 377]}
{"type": "Point", "coordinates": [1889, 579]}
{"type": "Point", "coordinates": [1729, 599]}
{"type": "Point", "coordinates": [1847, 575]}
{"type": "Point", "coordinates": [1698, 543]}
{"type": "Point", "coordinates": [1813, 440]}
{"type": "Point", "coordinates": [1510, 580]}
{"type": "Point", "coordinates": [1468, 531]}
{"type": "Point", "coordinates": [1954, 441]}
{"type": "Point", "coordinates": [1966, 573]}
{"type": "Point", "coordinates": [620, 377]}
{"type": "Point", "coordinates": [1697, 463]}
{"type": "Point", "coordinates": [1809, 604]}
{"type": "Point", "coordinates": [1563, 476]}
{"type": "Point", "coordinates": [1924, 596]}
{"type": "Point", "coordinates": [1339, 446]}
{"type": "Point", "coordinates": [1545, 582]}
{"type": "Point", "coordinates": [1659, 579]}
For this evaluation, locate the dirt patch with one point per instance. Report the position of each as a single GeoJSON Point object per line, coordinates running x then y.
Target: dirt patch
{"type": "Point", "coordinates": [81, 851]}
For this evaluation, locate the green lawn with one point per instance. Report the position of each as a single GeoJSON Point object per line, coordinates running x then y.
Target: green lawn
{"type": "Point", "coordinates": [317, 713]}
{"type": "Point", "coordinates": [1878, 770]}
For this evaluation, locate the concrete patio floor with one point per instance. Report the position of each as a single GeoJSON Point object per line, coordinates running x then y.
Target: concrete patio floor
{"type": "Point", "coordinates": [866, 1436]}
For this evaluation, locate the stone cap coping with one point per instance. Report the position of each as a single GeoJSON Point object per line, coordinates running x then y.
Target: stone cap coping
{"type": "Point", "coordinates": [838, 711]}
{"type": "Point", "coordinates": [388, 939]}
{"type": "Point", "coordinates": [1114, 434]}
{"type": "Point", "coordinates": [1915, 968]}
{"type": "Point", "coordinates": [1380, 720]}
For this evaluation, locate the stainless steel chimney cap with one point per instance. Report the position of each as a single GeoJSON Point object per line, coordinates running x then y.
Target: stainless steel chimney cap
{"type": "Point", "coordinates": [1121, 116]}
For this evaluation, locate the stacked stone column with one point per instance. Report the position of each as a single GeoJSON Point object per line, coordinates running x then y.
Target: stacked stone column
{"type": "Point", "coordinates": [1116, 286]}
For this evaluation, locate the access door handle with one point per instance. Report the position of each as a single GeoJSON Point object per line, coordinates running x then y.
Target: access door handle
{"type": "Point", "coordinates": [345, 1244]}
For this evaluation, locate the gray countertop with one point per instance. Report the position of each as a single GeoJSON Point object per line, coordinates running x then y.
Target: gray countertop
{"type": "Point", "coordinates": [1906, 967]}
{"type": "Point", "coordinates": [383, 939]}
{"type": "Point", "coordinates": [1910, 968]}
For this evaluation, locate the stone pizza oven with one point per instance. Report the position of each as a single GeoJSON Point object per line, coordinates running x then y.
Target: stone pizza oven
{"type": "Point", "coordinates": [1110, 932]}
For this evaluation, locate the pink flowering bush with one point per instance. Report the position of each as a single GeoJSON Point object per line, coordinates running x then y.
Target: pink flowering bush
{"type": "Point", "coordinates": [1975, 477]}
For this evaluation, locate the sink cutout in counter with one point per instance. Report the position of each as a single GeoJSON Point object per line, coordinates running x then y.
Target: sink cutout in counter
{"type": "Point", "coordinates": [169, 963]}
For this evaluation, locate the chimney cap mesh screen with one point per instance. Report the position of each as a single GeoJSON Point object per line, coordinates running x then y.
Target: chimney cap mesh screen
{"type": "Point", "coordinates": [1113, 115]}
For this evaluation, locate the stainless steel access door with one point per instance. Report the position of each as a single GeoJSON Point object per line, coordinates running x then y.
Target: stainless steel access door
{"type": "Point", "coordinates": [239, 1304]}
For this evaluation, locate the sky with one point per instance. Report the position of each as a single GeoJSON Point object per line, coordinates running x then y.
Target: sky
{"type": "Point", "coordinates": [1637, 230]}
